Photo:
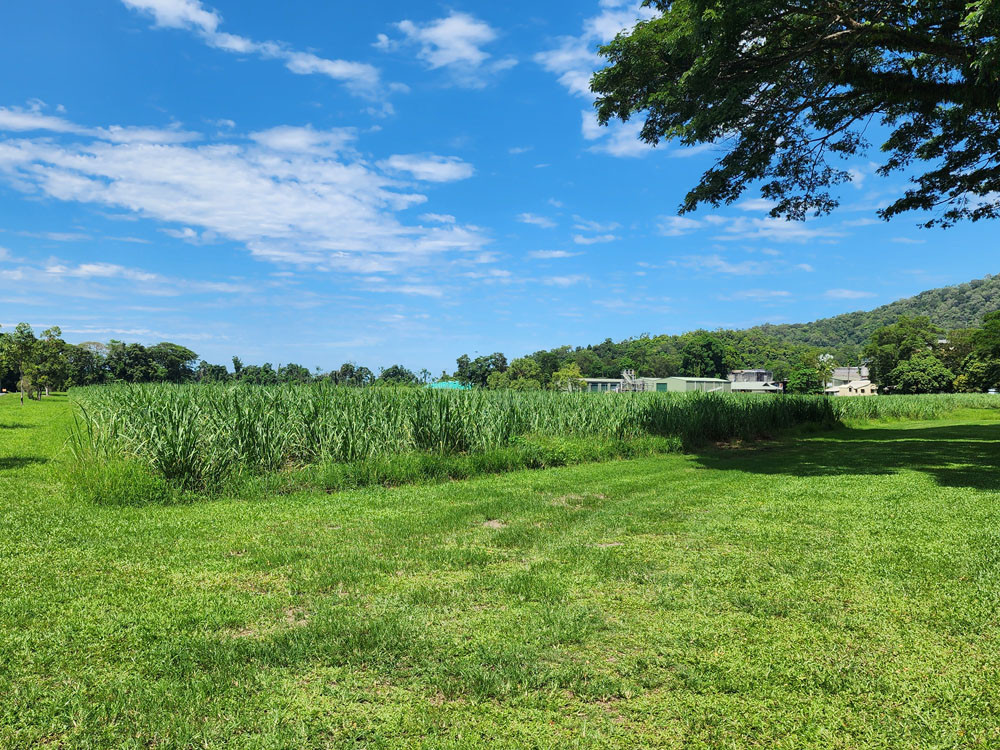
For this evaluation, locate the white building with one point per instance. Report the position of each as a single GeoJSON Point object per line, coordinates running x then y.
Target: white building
{"type": "Point", "coordinates": [853, 388]}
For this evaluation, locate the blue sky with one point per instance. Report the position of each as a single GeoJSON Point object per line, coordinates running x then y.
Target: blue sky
{"type": "Point", "coordinates": [320, 182]}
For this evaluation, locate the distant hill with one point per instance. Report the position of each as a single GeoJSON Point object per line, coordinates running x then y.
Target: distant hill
{"type": "Point", "coordinates": [960, 306]}
{"type": "Point", "coordinates": [777, 347]}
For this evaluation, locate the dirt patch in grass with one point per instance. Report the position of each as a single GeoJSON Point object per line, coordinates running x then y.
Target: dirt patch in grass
{"type": "Point", "coordinates": [295, 617]}
{"type": "Point", "coordinates": [495, 524]}
{"type": "Point", "coordinates": [291, 617]}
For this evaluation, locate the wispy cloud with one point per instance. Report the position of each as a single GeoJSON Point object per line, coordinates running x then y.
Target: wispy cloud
{"type": "Point", "coordinates": [775, 230]}
{"type": "Point", "coordinates": [847, 294]}
{"type": "Point", "coordinates": [287, 196]}
{"type": "Point", "coordinates": [717, 264]}
{"type": "Point", "coordinates": [579, 239]}
{"type": "Point", "coordinates": [429, 167]}
{"type": "Point", "coordinates": [677, 226]}
{"type": "Point", "coordinates": [539, 221]}
{"type": "Point", "coordinates": [192, 15]}
{"type": "Point", "coordinates": [617, 139]}
{"type": "Point", "coordinates": [566, 281]}
{"type": "Point", "coordinates": [758, 295]}
{"type": "Point", "coordinates": [20, 120]}
{"type": "Point", "coordinates": [552, 254]}
{"type": "Point", "coordinates": [102, 280]}
{"type": "Point", "coordinates": [756, 204]}
{"type": "Point", "coordinates": [57, 236]}
{"type": "Point", "coordinates": [438, 218]}
{"type": "Point", "coordinates": [586, 225]}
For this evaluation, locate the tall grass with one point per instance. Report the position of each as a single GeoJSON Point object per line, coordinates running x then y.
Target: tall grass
{"type": "Point", "coordinates": [910, 407]}
{"type": "Point", "coordinates": [200, 437]}
{"type": "Point", "coordinates": [152, 440]}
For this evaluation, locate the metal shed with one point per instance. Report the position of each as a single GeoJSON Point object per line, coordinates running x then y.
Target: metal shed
{"type": "Point", "coordinates": [705, 385]}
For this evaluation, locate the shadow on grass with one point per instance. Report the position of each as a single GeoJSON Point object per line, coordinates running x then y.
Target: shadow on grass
{"type": "Point", "coordinates": [15, 427]}
{"type": "Point", "coordinates": [956, 456]}
{"type": "Point", "coordinates": [12, 463]}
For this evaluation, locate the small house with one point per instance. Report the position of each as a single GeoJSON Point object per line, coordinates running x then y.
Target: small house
{"type": "Point", "coordinates": [854, 388]}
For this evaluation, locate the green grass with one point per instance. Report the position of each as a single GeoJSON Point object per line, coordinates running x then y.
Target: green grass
{"type": "Point", "coordinates": [834, 590]}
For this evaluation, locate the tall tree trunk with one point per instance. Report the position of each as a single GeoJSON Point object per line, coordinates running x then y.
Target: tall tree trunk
{"type": "Point", "coordinates": [21, 384]}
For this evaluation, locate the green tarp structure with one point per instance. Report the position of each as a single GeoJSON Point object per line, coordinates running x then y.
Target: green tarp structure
{"type": "Point", "coordinates": [449, 385]}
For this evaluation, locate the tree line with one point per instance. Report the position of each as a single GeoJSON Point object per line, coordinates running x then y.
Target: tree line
{"type": "Point", "coordinates": [912, 355]}
{"type": "Point", "coordinates": [37, 365]}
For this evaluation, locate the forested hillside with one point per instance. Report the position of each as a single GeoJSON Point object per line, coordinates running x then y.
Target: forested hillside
{"type": "Point", "coordinates": [780, 348]}
{"type": "Point", "coordinates": [951, 307]}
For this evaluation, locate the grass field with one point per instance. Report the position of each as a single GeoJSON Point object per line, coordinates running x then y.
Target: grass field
{"type": "Point", "coordinates": [836, 590]}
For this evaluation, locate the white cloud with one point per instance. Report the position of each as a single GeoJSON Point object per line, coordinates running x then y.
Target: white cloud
{"type": "Point", "coordinates": [756, 204]}
{"type": "Point", "coordinates": [454, 42]}
{"type": "Point", "coordinates": [717, 264]}
{"type": "Point", "coordinates": [191, 15]}
{"type": "Point", "coordinates": [438, 218]}
{"type": "Point", "coordinates": [758, 295]}
{"type": "Point", "coordinates": [574, 59]}
{"type": "Point", "coordinates": [429, 167]}
{"type": "Point", "coordinates": [776, 230]}
{"type": "Point", "coordinates": [617, 139]}
{"type": "Point", "coordinates": [419, 290]}
{"type": "Point", "coordinates": [179, 14]}
{"type": "Point", "coordinates": [566, 281]}
{"type": "Point", "coordinates": [305, 140]}
{"type": "Point", "coordinates": [101, 280]}
{"type": "Point", "coordinates": [58, 236]}
{"type": "Point", "coordinates": [551, 254]}
{"type": "Point", "coordinates": [517, 150]}
{"type": "Point", "coordinates": [586, 225]}
{"type": "Point", "coordinates": [847, 294]}
{"type": "Point", "coordinates": [589, 127]}
{"type": "Point", "coordinates": [579, 239]}
{"type": "Point", "coordinates": [14, 119]}
{"type": "Point", "coordinates": [539, 221]}
{"type": "Point", "coordinates": [102, 271]}
{"type": "Point", "coordinates": [328, 211]}
{"type": "Point", "coordinates": [676, 226]}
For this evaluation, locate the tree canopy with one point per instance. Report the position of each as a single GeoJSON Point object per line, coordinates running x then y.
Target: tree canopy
{"type": "Point", "coordinates": [790, 89]}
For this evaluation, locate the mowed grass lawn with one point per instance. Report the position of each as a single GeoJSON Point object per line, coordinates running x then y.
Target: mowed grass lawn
{"type": "Point", "coordinates": [834, 590]}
